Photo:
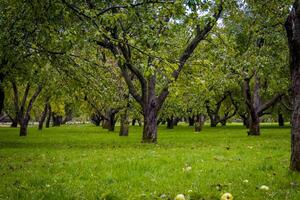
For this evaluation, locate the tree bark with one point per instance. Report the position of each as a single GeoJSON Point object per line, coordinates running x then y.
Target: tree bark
{"type": "Point", "coordinates": [200, 119]}
{"type": "Point", "coordinates": [150, 125]}
{"type": "Point", "coordinates": [280, 120]}
{"type": "Point", "coordinates": [192, 120]}
{"type": "Point", "coordinates": [44, 115]}
{"type": "Point", "coordinates": [292, 26]}
{"type": "Point", "coordinates": [57, 119]}
{"type": "Point", "coordinates": [24, 126]}
{"type": "Point", "coordinates": [24, 114]}
{"type": "Point", "coordinates": [48, 117]}
{"type": "Point", "coordinates": [2, 93]}
{"type": "Point", "coordinates": [170, 123]}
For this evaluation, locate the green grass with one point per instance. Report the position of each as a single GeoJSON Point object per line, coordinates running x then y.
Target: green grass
{"type": "Point", "coordinates": [87, 162]}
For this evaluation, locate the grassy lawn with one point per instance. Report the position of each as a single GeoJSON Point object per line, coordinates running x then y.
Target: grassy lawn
{"type": "Point", "coordinates": [87, 162]}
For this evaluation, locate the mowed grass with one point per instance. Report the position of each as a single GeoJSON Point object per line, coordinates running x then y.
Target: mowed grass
{"type": "Point", "coordinates": [87, 162]}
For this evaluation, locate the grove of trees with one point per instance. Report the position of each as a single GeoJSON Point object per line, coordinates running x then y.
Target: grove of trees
{"type": "Point", "coordinates": [153, 62]}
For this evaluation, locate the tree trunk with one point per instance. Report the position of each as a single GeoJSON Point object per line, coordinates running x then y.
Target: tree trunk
{"type": "Point", "coordinates": [133, 122]}
{"type": "Point", "coordinates": [200, 119]}
{"type": "Point", "coordinates": [150, 126]}
{"type": "Point", "coordinates": [14, 123]}
{"type": "Point", "coordinates": [43, 116]}
{"type": "Point", "coordinates": [57, 119]}
{"type": "Point", "coordinates": [109, 121]}
{"type": "Point", "coordinates": [223, 122]}
{"type": "Point", "coordinates": [170, 123]}
{"type": "Point", "coordinates": [292, 26]}
{"type": "Point", "coordinates": [214, 120]}
{"type": "Point", "coordinates": [191, 121]}
{"type": "Point", "coordinates": [124, 129]}
{"type": "Point", "coordinates": [2, 93]}
{"type": "Point", "coordinates": [48, 117]}
{"type": "Point", "coordinates": [254, 129]}
{"type": "Point", "coordinates": [24, 125]}
{"type": "Point", "coordinates": [280, 120]}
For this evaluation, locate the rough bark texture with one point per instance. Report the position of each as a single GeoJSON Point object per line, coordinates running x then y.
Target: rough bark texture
{"type": "Point", "coordinates": [109, 119]}
{"type": "Point", "coordinates": [292, 26]}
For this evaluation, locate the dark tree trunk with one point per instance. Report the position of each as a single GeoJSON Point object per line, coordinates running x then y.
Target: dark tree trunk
{"type": "Point", "coordinates": [150, 126]}
{"type": "Point", "coordinates": [200, 119]}
{"type": "Point", "coordinates": [43, 116]}
{"type": "Point", "coordinates": [133, 122]}
{"type": "Point", "coordinates": [214, 120]}
{"type": "Point", "coordinates": [24, 125]}
{"type": "Point", "coordinates": [109, 120]}
{"type": "Point", "coordinates": [2, 93]}
{"type": "Point", "coordinates": [48, 117]}
{"type": "Point", "coordinates": [191, 121]}
{"type": "Point", "coordinates": [176, 120]}
{"type": "Point", "coordinates": [96, 119]}
{"type": "Point", "coordinates": [245, 119]}
{"type": "Point", "coordinates": [14, 123]}
{"type": "Point", "coordinates": [2, 96]}
{"type": "Point", "coordinates": [292, 26]}
{"type": "Point", "coordinates": [57, 119]}
{"type": "Point", "coordinates": [254, 129]}
{"type": "Point", "coordinates": [170, 123]}
{"type": "Point", "coordinates": [280, 120]}
{"type": "Point", "coordinates": [223, 122]}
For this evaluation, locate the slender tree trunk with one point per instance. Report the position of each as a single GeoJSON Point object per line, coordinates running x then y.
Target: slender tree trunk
{"type": "Point", "coordinates": [280, 120]}
{"type": "Point", "coordinates": [2, 93]}
{"type": "Point", "coordinates": [44, 115]}
{"type": "Point", "coordinates": [170, 123]}
{"type": "Point", "coordinates": [292, 26]}
{"type": "Point", "coordinates": [133, 122]}
{"type": "Point", "coordinates": [48, 117]}
{"type": "Point", "coordinates": [192, 120]}
{"type": "Point", "coordinates": [200, 119]}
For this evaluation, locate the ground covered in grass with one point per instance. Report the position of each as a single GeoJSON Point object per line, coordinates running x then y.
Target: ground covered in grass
{"type": "Point", "coordinates": [87, 162]}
